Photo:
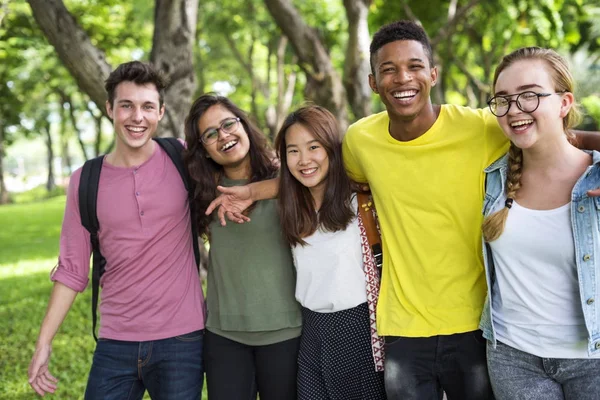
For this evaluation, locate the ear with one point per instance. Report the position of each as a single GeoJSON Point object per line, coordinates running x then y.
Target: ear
{"type": "Point", "coordinates": [434, 76]}
{"type": "Point", "coordinates": [373, 83]}
{"type": "Point", "coordinates": [161, 112]}
{"type": "Point", "coordinates": [109, 109]}
{"type": "Point", "coordinates": [566, 104]}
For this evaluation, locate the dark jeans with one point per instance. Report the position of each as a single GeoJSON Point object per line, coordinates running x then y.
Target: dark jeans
{"type": "Point", "coordinates": [425, 368]}
{"type": "Point", "coordinates": [517, 375]}
{"type": "Point", "coordinates": [235, 371]}
{"type": "Point", "coordinates": [170, 369]}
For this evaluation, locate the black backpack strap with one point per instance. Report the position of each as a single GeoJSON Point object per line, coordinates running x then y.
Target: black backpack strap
{"type": "Point", "coordinates": [88, 197]}
{"type": "Point", "coordinates": [174, 149]}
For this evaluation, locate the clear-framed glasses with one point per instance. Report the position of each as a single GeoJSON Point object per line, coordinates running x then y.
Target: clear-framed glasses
{"type": "Point", "coordinates": [527, 102]}
{"type": "Point", "coordinates": [229, 125]}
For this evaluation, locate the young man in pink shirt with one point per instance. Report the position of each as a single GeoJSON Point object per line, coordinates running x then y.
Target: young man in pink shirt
{"type": "Point", "coordinates": [151, 307]}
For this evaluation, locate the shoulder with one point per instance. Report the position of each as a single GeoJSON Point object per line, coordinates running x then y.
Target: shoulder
{"type": "Point", "coordinates": [368, 124]}
{"type": "Point", "coordinates": [468, 114]}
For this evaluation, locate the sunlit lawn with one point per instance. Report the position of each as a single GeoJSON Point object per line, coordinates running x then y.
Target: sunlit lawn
{"type": "Point", "coordinates": [28, 249]}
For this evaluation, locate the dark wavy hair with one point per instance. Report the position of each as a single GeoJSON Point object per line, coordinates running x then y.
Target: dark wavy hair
{"type": "Point", "coordinates": [400, 30]}
{"type": "Point", "coordinates": [205, 172]}
{"type": "Point", "coordinates": [297, 212]}
{"type": "Point", "coordinates": [139, 73]}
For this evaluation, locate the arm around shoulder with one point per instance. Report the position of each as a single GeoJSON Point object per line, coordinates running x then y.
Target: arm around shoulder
{"type": "Point", "coordinates": [235, 199]}
{"type": "Point", "coordinates": [587, 140]}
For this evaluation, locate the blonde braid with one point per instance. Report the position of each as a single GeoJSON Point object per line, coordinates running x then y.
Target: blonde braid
{"type": "Point", "coordinates": [493, 225]}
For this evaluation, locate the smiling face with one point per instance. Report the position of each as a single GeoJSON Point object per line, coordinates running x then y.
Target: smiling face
{"type": "Point", "coordinates": [307, 160]}
{"type": "Point", "coordinates": [526, 129]}
{"type": "Point", "coordinates": [135, 112]}
{"type": "Point", "coordinates": [231, 150]}
{"type": "Point", "coordinates": [403, 78]}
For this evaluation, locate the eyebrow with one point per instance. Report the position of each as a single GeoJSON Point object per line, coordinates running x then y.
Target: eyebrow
{"type": "Point", "coordinates": [126, 101]}
{"type": "Point", "coordinates": [520, 88]}
{"type": "Point", "coordinates": [414, 59]}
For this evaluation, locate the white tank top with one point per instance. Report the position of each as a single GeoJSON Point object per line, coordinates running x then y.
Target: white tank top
{"type": "Point", "coordinates": [330, 274]}
{"type": "Point", "coordinates": [535, 298]}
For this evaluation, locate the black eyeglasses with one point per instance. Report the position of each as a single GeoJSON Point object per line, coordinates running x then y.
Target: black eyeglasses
{"type": "Point", "coordinates": [527, 102]}
{"type": "Point", "coordinates": [227, 126]}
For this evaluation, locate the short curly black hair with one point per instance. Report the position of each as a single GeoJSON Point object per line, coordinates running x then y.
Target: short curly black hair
{"type": "Point", "coordinates": [139, 73]}
{"type": "Point", "coordinates": [400, 30]}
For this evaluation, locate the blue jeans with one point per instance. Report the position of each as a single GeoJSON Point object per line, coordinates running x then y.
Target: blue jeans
{"type": "Point", "coordinates": [168, 368]}
{"type": "Point", "coordinates": [517, 375]}
{"type": "Point", "coordinates": [423, 368]}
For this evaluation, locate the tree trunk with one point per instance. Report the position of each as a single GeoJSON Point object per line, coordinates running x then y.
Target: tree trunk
{"type": "Point", "coordinates": [4, 198]}
{"type": "Point", "coordinates": [84, 61]}
{"type": "Point", "coordinates": [174, 31]}
{"type": "Point", "coordinates": [75, 128]}
{"type": "Point", "coordinates": [323, 83]}
{"type": "Point", "coordinates": [50, 183]}
{"type": "Point", "coordinates": [67, 164]}
{"type": "Point", "coordinates": [357, 66]}
{"type": "Point", "coordinates": [172, 51]}
{"type": "Point", "coordinates": [98, 142]}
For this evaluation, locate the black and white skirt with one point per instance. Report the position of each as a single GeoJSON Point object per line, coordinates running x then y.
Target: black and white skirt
{"type": "Point", "coordinates": [335, 361]}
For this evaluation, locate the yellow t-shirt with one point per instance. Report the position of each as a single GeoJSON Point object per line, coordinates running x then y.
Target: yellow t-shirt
{"type": "Point", "coordinates": [429, 195]}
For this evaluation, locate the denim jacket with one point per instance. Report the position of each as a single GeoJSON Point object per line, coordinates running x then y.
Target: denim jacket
{"type": "Point", "coordinates": [585, 222]}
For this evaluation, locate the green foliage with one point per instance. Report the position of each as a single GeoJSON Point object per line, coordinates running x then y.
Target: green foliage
{"type": "Point", "coordinates": [470, 48]}
{"type": "Point", "coordinates": [591, 105]}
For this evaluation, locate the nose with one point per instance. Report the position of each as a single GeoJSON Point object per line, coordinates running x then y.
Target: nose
{"type": "Point", "coordinates": [303, 160]}
{"type": "Point", "coordinates": [513, 109]}
{"type": "Point", "coordinates": [403, 76]}
{"type": "Point", "coordinates": [223, 134]}
{"type": "Point", "coordinates": [137, 115]}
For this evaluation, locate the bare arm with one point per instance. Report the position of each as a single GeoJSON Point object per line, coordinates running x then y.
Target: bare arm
{"type": "Point", "coordinates": [61, 300]}
{"type": "Point", "coordinates": [588, 140]}
{"type": "Point", "coordinates": [235, 199]}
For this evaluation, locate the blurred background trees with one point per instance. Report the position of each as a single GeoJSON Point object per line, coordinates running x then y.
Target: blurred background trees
{"type": "Point", "coordinates": [268, 56]}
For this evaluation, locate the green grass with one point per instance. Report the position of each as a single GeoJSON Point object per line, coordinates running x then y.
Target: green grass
{"type": "Point", "coordinates": [38, 193]}
{"type": "Point", "coordinates": [29, 238]}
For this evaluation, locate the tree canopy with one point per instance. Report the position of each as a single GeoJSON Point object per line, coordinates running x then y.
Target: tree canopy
{"type": "Point", "coordinates": [268, 56]}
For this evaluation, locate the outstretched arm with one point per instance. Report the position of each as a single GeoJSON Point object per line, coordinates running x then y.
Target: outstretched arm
{"type": "Point", "coordinates": [235, 199]}
{"type": "Point", "coordinates": [40, 378]}
{"type": "Point", "coordinates": [589, 141]}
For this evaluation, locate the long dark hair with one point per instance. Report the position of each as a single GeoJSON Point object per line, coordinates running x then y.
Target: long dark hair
{"type": "Point", "coordinates": [297, 212]}
{"type": "Point", "coordinates": [205, 172]}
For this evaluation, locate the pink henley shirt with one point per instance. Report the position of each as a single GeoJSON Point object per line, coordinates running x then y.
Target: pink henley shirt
{"type": "Point", "coordinates": [150, 288]}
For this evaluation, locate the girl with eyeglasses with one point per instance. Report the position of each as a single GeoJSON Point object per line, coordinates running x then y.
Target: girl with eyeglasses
{"type": "Point", "coordinates": [254, 322]}
{"type": "Point", "coordinates": [541, 238]}
{"type": "Point", "coordinates": [341, 357]}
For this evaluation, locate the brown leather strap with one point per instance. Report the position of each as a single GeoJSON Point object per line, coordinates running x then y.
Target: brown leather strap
{"type": "Point", "coordinates": [365, 209]}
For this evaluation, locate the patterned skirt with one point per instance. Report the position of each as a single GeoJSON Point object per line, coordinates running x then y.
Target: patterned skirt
{"type": "Point", "coordinates": [335, 361]}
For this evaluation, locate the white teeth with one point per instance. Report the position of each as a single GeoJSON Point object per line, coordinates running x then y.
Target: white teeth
{"type": "Point", "coordinates": [521, 122]}
{"type": "Point", "coordinates": [307, 171]}
{"type": "Point", "coordinates": [136, 128]}
{"type": "Point", "coordinates": [405, 93]}
{"type": "Point", "coordinates": [228, 145]}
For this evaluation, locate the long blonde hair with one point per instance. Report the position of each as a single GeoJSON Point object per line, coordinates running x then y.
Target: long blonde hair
{"type": "Point", "coordinates": [493, 225]}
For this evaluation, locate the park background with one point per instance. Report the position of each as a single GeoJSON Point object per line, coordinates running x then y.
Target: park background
{"type": "Point", "coordinates": [268, 56]}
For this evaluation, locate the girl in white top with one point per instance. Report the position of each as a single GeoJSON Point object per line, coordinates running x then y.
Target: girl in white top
{"type": "Point", "coordinates": [537, 314]}
{"type": "Point", "coordinates": [319, 219]}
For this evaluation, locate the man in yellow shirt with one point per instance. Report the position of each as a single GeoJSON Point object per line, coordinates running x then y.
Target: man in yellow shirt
{"type": "Point", "coordinates": [424, 164]}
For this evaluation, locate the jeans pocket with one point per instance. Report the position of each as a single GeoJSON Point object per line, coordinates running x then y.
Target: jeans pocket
{"type": "Point", "coordinates": [390, 341]}
{"type": "Point", "coordinates": [477, 336]}
{"type": "Point", "coordinates": [191, 337]}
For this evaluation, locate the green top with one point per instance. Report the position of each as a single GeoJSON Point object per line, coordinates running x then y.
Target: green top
{"type": "Point", "coordinates": [251, 279]}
